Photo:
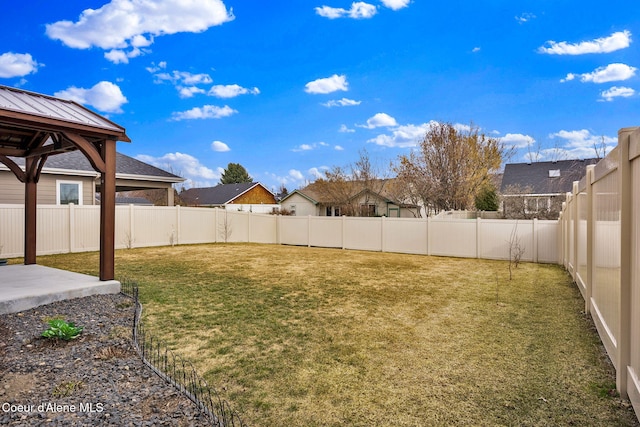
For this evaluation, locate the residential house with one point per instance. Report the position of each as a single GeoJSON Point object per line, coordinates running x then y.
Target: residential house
{"type": "Point", "coordinates": [537, 190]}
{"type": "Point", "coordinates": [351, 198]}
{"type": "Point", "coordinates": [245, 196]}
{"type": "Point", "coordinates": [70, 178]}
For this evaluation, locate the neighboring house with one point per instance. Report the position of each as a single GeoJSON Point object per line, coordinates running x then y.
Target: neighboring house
{"type": "Point", "coordinates": [351, 198]}
{"type": "Point", "coordinates": [70, 178]}
{"type": "Point", "coordinates": [247, 196]}
{"type": "Point", "coordinates": [537, 190]}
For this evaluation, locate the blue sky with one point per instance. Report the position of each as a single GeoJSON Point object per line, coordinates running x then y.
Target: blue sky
{"type": "Point", "coordinates": [291, 88]}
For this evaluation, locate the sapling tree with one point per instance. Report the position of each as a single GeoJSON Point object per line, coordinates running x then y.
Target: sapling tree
{"type": "Point", "coordinates": [516, 250]}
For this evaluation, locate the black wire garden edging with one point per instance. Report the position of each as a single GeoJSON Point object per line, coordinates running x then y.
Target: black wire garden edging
{"type": "Point", "coordinates": [175, 370]}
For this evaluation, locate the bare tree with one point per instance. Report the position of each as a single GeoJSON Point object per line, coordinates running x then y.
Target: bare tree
{"type": "Point", "coordinates": [225, 228]}
{"type": "Point", "coordinates": [450, 166]}
{"type": "Point", "coordinates": [516, 250]}
{"type": "Point", "coordinates": [600, 149]}
{"type": "Point", "coordinates": [353, 186]}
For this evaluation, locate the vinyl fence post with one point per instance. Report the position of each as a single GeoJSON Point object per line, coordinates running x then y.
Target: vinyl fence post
{"type": "Point", "coordinates": [308, 231]}
{"type": "Point", "coordinates": [249, 227]}
{"type": "Point", "coordinates": [590, 239]}
{"type": "Point", "coordinates": [344, 220]}
{"type": "Point", "coordinates": [626, 219]}
{"type": "Point", "coordinates": [576, 219]}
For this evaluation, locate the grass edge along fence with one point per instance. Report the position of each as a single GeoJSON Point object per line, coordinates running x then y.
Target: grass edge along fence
{"type": "Point", "coordinates": [599, 223]}
{"type": "Point", "coordinates": [175, 370]}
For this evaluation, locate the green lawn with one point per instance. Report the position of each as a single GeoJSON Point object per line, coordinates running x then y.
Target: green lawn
{"type": "Point", "coordinates": [295, 336]}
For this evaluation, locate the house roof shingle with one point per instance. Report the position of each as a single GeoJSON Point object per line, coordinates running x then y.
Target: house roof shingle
{"type": "Point", "coordinates": [216, 196]}
{"type": "Point", "coordinates": [125, 165]}
{"type": "Point", "coordinates": [544, 177]}
{"type": "Point", "coordinates": [383, 188]}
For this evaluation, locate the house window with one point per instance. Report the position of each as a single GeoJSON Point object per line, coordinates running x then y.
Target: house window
{"type": "Point", "coordinates": [336, 211]}
{"type": "Point", "coordinates": [69, 192]}
{"type": "Point", "coordinates": [292, 208]}
{"type": "Point", "coordinates": [328, 211]}
{"type": "Point", "coordinates": [537, 204]}
{"type": "Point", "coordinates": [367, 210]}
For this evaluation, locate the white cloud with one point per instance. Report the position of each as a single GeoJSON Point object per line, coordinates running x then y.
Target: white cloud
{"type": "Point", "coordinates": [118, 56]}
{"type": "Point", "coordinates": [610, 73]}
{"type": "Point", "coordinates": [205, 112]}
{"type": "Point", "coordinates": [104, 96]}
{"type": "Point", "coordinates": [380, 120]}
{"type": "Point", "coordinates": [186, 166]}
{"type": "Point", "coordinates": [517, 140]}
{"type": "Point", "coordinates": [396, 4]}
{"type": "Point", "coordinates": [304, 147]}
{"type": "Point", "coordinates": [296, 178]}
{"type": "Point", "coordinates": [17, 65]}
{"type": "Point", "coordinates": [616, 41]}
{"type": "Point", "coordinates": [296, 174]}
{"type": "Point", "coordinates": [318, 172]}
{"type": "Point", "coordinates": [309, 147]}
{"type": "Point", "coordinates": [183, 78]}
{"type": "Point", "coordinates": [231, 91]}
{"type": "Point", "coordinates": [155, 68]}
{"type": "Point", "coordinates": [184, 81]}
{"type": "Point", "coordinates": [327, 85]}
{"type": "Point", "coordinates": [344, 102]}
{"type": "Point", "coordinates": [359, 10]}
{"type": "Point", "coordinates": [402, 136]}
{"type": "Point", "coordinates": [616, 92]}
{"type": "Point", "coordinates": [338, 148]}
{"type": "Point", "coordinates": [130, 24]}
{"type": "Point", "coordinates": [475, 49]}
{"type": "Point", "coordinates": [345, 129]}
{"type": "Point", "coordinates": [577, 144]}
{"type": "Point", "coordinates": [525, 17]}
{"type": "Point", "coordinates": [189, 92]}
{"type": "Point", "coordinates": [220, 146]}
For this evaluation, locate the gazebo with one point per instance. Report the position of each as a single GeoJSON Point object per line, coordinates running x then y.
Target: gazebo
{"type": "Point", "coordinates": [36, 126]}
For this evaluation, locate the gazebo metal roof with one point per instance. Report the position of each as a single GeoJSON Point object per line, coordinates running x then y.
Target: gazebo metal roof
{"type": "Point", "coordinates": [36, 126]}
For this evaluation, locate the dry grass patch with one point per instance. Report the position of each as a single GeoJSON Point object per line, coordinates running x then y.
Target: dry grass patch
{"type": "Point", "coordinates": [320, 337]}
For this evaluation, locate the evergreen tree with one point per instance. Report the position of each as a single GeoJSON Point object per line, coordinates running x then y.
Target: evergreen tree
{"type": "Point", "coordinates": [487, 199]}
{"type": "Point", "coordinates": [235, 173]}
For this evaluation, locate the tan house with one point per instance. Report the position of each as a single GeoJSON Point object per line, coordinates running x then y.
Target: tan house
{"type": "Point", "coordinates": [70, 178]}
{"type": "Point", "coordinates": [247, 196]}
{"type": "Point", "coordinates": [350, 198]}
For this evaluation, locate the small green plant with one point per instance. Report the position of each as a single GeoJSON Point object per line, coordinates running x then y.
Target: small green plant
{"type": "Point", "coordinates": [67, 389]}
{"type": "Point", "coordinates": [59, 328]}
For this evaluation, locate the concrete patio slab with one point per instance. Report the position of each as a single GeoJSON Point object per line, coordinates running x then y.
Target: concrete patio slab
{"type": "Point", "coordinates": [26, 286]}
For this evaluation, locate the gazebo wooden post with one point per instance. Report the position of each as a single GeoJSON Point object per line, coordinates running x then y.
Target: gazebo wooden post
{"type": "Point", "coordinates": [30, 209]}
{"type": "Point", "coordinates": [108, 211]}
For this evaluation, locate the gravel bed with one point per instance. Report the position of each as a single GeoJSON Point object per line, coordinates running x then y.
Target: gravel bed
{"type": "Point", "coordinates": [96, 379]}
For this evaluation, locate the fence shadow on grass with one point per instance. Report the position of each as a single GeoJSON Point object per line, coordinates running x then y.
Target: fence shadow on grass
{"type": "Point", "coordinates": [175, 370]}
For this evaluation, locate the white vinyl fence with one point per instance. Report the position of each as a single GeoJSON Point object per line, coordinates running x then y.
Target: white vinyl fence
{"type": "Point", "coordinates": [63, 229]}
{"type": "Point", "coordinates": [600, 228]}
